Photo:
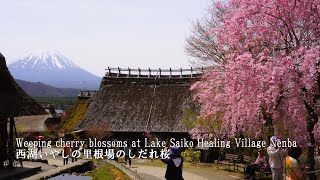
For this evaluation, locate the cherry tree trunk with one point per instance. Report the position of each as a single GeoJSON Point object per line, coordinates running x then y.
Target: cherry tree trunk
{"type": "Point", "coordinates": [311, 148]}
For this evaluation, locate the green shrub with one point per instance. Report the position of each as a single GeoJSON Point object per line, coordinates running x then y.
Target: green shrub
{"type": "Point", "coordinates": [190, 155]}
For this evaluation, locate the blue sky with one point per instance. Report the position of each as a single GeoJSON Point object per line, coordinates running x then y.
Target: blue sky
{"type": "Point", "coordinates": [96, 34]}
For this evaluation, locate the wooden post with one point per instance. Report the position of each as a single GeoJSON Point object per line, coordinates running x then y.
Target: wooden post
{"type": "Point", "coordinates": [3, 140]}
{"type": "Point", "coordinates": [139, 70]}
{"type": "Point", "coordinates": [180, 72]}
{"type": "Point", "coordinates": [170, 72]}
{"type": "Point", "coordinates": [119, 72]}
{"type": "Point", "coordinates": [159, 72]}
{"type": "Point", "coordinates": [109, 70]}
{"type": "Point", "coordinates": [149, 72]}
{"type": "Point", "coordinates": [129, 72]}
{"type": "Point", "coordinates": [10, 145]}
{"type": "Point", "coordinates": [191, 72]}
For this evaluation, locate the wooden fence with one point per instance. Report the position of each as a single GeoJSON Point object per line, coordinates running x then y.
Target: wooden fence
{"type": "Point", "coordinates": [86, 93]}
{"type": "Point", "coordinates": [154, 73]}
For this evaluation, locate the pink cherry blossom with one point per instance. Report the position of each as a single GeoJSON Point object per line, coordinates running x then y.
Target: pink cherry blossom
{"type": "Point", "coordinates": [272, 69]}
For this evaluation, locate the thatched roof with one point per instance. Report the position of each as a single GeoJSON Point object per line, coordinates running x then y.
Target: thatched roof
{"type": "Point", "coordinates": [36, 123]}
{"type": "Point", "coordinates": [123, 105]}
{"type": "Point", "coordinates": [13, 100]}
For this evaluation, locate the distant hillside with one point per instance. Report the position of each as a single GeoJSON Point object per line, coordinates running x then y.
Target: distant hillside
{"type": "Point", "coordinates": [38, 89]}
{"type": "Point", "coordinates": [61, 103]}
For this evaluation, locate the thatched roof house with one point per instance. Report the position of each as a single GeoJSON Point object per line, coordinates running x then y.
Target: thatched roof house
{"type": "Point", "coordinates": [36, 123]}
{"type": "Point", "coordinates": [13, 100]}
{"type": "Point", "coordinates": [136, 103]}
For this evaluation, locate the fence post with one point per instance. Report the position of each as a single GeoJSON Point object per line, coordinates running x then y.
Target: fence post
{"type": "Point", "coordinates": [129, 72]}
{"type": "Point", "coordinates": [191, 72]}
{"type": "Point", "coordinates": [170, 73]}
{"type": "Point", "coordinates": [139, 70]}
{"type": "Point", "coordinates": [119, 72]}
{"type": "Point", "coordinates": [306, 170]}
{"type": "Point", "coordinates": [180, 72]}
{"type": "Point", "coordinates": [159, 72]}
{"type": "Point", "coordinates": [135, 175]}
{"type": "Point", "coordinates": [149, 72]}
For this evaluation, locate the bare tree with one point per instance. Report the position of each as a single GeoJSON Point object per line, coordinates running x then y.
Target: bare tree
{"type": "Point", "coordinates": [202, 43]}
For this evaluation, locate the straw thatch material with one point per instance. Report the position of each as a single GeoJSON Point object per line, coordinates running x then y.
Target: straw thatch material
{"type": "Point", "coordinates": [35, 123]}
{"type": "Point", "coordinates": [124, 106]}
{"type": "Point", "coordinates": [13, 100]}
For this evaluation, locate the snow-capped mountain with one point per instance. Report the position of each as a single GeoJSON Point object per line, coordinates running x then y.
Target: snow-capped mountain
{"type": "Point", "coordinates": [53, 68]}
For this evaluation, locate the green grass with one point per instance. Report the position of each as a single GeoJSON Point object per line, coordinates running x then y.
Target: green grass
{"type": "Point", "coordinates": [107, 172]}
{"type": "Point", "coordinates": [75, 115]}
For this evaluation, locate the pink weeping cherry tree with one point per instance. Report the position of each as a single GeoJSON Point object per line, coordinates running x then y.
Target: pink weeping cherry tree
{"type": "Point", "coordinates": [271, 73]}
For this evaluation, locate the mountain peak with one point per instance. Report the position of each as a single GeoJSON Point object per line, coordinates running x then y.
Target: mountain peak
{"type": "Point", "coordinates": [45, 59]}
{"type": "Point", "coordinates": [52, 68]}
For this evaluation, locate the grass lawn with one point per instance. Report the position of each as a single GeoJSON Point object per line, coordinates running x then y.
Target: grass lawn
{"type": "Point", "coordinates": [107, 172]}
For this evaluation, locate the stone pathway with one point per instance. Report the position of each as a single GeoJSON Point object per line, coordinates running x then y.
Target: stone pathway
{"type": "Point", "coordinates": [150, 172]}
{"type": "Point", "coordinates": [157, 173]}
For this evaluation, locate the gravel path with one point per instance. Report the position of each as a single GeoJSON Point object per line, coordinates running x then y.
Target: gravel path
{"type": "Point", "coordinates": [157, 173]}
